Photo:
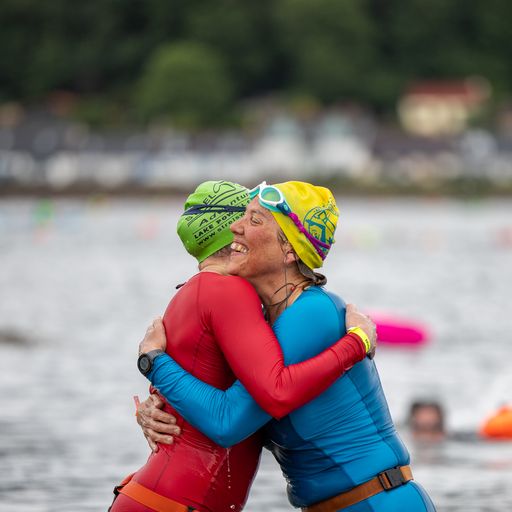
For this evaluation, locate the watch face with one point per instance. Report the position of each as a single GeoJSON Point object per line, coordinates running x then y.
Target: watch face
{"type": "Point", "coordinates": [144, 364]}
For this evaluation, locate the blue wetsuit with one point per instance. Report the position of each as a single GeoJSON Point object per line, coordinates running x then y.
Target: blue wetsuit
{"type": "Point", "coordinates": [337, 441]}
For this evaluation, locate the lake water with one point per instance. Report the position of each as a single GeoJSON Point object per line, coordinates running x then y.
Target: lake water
{"type": "Point", "coordinates": [81, 279]}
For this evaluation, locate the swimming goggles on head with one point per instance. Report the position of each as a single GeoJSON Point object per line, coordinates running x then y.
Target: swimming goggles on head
{"type": "Point", "coordinates": [210, 208]}
{"type": "Point", "coordinates": [273, 199]}
{"type": "Point", "coordinates": [270, 197]}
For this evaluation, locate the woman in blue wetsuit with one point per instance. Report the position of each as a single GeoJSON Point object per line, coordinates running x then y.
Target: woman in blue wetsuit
{"type": "Point", "coordinates": [341, 450]}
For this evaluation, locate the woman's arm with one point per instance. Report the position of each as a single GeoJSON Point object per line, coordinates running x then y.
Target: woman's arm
{"type": "Point", "coordinates": [256, 358]}
{"type": "Point", "coordinates": [226, 417]}
{"type": "Point", "coordinates": [230, 416]}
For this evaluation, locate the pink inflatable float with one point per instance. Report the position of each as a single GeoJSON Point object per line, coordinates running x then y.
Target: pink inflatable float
{"type": "Point", "coordinates": [395, 330]}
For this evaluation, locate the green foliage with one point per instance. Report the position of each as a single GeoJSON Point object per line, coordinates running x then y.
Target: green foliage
{"type": "Point", "coordinates": [329, 45]}
{"type": "Point", "coordinates": [184, 83]}
{"type": "Point", "coordinates": [99, 112]}
{"type": "Point", "coordinates": [241, 32]}
{"type": "Point", "coordinates": [331, 50]}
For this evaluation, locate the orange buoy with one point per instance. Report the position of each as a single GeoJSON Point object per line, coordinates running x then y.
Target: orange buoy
{"type": "Point", "coordinates": [499, 425]}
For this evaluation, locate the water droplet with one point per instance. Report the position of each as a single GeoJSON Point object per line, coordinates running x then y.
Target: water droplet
{"type": "Point", "coordinates": [229, 467]}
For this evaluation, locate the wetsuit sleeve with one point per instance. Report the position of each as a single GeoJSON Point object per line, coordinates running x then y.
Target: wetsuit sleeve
{"type": "Point", "coordinates": [256, 358]}
{"type": "Point", "coordinates": [226, 417]}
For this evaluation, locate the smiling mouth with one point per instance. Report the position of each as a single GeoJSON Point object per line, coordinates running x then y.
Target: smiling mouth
{"type": "Point", "coordinates": [239, 248]}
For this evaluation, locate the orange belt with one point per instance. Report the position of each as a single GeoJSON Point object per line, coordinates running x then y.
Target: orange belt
{"type": "Point", "coordinates": [384, 481]}
{"type": "Point", "coordinates": [151, 499]}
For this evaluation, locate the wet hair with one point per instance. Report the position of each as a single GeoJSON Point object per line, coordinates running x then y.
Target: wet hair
{"type": "Point", "coordinates": [222, 252]}
{"type": "Point", "coordinates": [313, 278]}
{"type": "Point", "coordinates": [316, 278]}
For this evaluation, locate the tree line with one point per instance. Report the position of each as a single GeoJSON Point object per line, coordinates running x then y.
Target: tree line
{"type": "Point", "coordinates": [194, 62]}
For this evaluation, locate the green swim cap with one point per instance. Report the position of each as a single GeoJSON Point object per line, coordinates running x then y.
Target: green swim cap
{"type": "Point", "coordinates": [209, 212]}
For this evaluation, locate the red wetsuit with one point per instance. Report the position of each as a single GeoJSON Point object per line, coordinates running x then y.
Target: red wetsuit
{"type": "Point", "coordinates": [216, 330]}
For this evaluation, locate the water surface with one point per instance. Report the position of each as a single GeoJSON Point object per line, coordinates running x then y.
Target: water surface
{"type": "Point", "coordinates": [80, 280]}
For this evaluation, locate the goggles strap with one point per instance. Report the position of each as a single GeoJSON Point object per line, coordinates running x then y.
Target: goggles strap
{"type": "Point", "coordinates": [317, 244]}
{"type": "Point", "coordinates": [211, 208]}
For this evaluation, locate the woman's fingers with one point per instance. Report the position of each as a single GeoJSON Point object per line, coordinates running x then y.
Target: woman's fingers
{"type": "Point", "coordinates": [162, 417]}
{"type": "Point", "coordinates": [157, 431]}
{"type": "Point", "coordinates": [354, 318]}
{"type": "Point", "coordinates": [153, 438]}
{"type": "Point", "coordinates": [160, 426]}
{"type": "Point", "coordinates": [152, 444]}
{"type": "Point", "coordinates": [351, 308]}
{"type": "Point", "coordinates": [156, 401]}
{"type": "Point", "coordinates": [154, 338]}
{"type": "Point", "coordinates": [155, 324]}
{"type": "Point", "coordinates": [149, 416]}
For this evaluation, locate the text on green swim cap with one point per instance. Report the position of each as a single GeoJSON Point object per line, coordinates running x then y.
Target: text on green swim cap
{"type": "Point", "coordinates": [204, 227]}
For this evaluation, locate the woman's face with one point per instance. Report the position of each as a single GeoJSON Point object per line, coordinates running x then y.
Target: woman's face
{"type": "Point", "coordinates": [257, 254]}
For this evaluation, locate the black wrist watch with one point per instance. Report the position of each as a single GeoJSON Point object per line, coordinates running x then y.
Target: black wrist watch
{"type": "Point", "coordinates": [145, 361]}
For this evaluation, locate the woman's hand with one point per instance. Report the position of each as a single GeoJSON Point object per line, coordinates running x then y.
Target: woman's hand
{"type": "Point", "coordinates": [154, 338]}
{"type": "Point", "coordinates": [354, 318]}
{"type": "Point", "coordinates": [158, 426]}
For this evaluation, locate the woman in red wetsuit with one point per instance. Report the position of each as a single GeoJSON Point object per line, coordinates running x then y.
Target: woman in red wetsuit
{"type": "Point", "coordinates": [215, 326]}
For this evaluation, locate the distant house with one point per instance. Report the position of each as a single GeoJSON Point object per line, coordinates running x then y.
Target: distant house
{"type": "Point", "coordinates": [436, 108]}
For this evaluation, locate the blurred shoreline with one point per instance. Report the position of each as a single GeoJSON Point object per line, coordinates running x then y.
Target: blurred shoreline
{"type": "Point", "coordinates": [463, 189]}
{"type": "Point", "coordinates": [45, 156]}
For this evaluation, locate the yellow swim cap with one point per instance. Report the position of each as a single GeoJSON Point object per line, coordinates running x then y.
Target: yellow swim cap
{"type": "Point", "coordinates": [317, 211]}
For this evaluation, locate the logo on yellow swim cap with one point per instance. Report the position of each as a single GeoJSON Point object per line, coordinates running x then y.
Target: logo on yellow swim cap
{"type": "Point", "coordinates": [321, 222]}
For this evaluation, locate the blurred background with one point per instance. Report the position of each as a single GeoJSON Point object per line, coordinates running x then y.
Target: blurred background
{"type": "Point", "coordinates": [112, 111]}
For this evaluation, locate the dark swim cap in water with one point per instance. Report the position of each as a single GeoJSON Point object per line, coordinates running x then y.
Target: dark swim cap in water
{"type": "Point", "coordinates": [209, 212]}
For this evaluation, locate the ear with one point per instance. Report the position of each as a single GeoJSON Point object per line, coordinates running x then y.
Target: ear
{"type": "Point", "coordinates": [290, 257]}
